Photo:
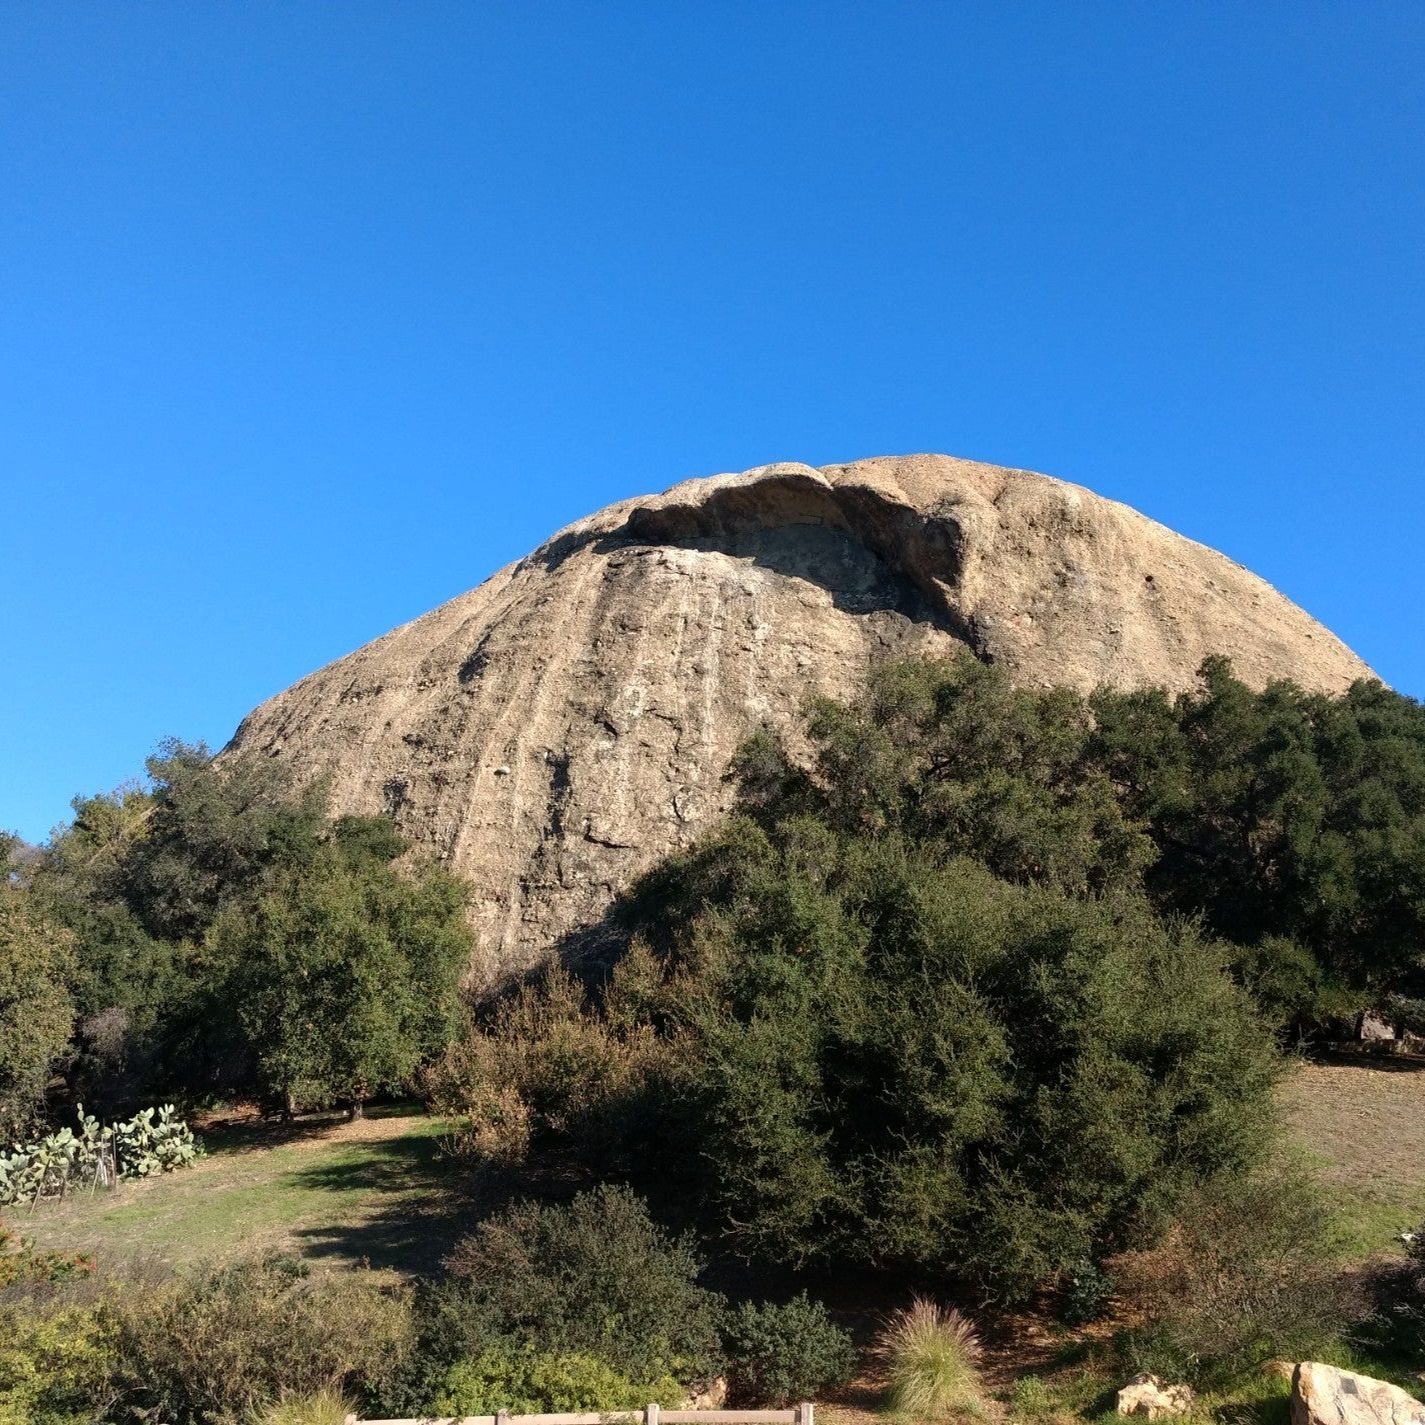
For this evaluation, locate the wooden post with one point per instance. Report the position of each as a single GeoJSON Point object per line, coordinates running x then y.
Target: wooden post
{"type": "Point", "coordinates": [502, 1417]}
{"type": "Point", "coordinates": [805, 1412]}
{"type": "Point", "coordinates": [650, 1416]}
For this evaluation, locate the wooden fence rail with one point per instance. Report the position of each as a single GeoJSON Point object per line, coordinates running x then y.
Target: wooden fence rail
{"type": "Point", "coordinates": [651, 1415]}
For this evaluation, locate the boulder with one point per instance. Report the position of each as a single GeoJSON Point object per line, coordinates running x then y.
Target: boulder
{"type": "Point", "coordinates": [557, 731]}
{"type": "Point", "coordinates": [711, 1396]}
{"type": "Point", "coordinates": [1147, 1395]}
{"type": "Point", "coordinates": [1371, 1028]}
{"type": "Point", "coordinates": [1327, 1395]}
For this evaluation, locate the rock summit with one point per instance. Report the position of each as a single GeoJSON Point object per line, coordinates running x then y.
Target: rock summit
{"type": "Point", "coordinates": [554, 732]}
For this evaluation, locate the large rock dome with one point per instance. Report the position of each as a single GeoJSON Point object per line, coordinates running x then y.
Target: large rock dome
{"type": "Point", "coordinates": [558, 729]}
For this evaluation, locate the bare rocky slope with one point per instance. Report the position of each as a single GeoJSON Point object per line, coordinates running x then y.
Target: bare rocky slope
{"type": "Point", "coordinates": [555, 731]}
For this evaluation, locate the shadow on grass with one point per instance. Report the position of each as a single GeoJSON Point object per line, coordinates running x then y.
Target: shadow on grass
{"type": "Point", "coordinates": [412, 1205]}
{"type": "Point", "coordinates": [1355, 1058]}
{"type": "Point", "coordinates": [253, 1134]}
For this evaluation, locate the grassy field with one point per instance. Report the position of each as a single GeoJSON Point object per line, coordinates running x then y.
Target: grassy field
{"type": "Point", "coordinates": [377, 1190]}
{"type": "Point", "coordinates": [1360, 1126]}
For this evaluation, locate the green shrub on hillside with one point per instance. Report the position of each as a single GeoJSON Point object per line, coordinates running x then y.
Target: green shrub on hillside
{"type": "Point", "coordinates": [36, 1010]}
{"type": "Point", "coordinates": [221, 1344]}
{"type": "Point", "coordinates": [56, 1363]}
{"type": "Point", "coordinates": [1243, 1275]}
{"type": "Point", "coordinates": [596, 1277]}
{"type": "Point", "coordinates": [343, 977]}
{"type": "Point", "coordinates": [898, 1057]}
{"type": "Point", "coordinates": [781, 1353]}
{"type": "Point", "coordinates": [525, 1381]}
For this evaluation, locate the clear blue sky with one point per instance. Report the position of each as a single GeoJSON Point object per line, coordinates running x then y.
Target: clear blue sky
{"type": "Point", "coordinates": [314, 314]}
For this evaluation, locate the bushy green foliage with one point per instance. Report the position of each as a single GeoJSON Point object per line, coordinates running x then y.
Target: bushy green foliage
{"type": "Point", "coordinates": [212, 834]}
{"type": "Point", "coordinates": [56, 1363]}
{"type": "Point", "coordinates": [1087, 1289]}
{"type": "Point", "coordinates": [596, 1277]}
{"type": "Point", "coordinates": [138, 877]}
{"type": "Point", "coordinates": [551, 1064]}
{"type": "Point", "coordinates": [343, 976]}
{"type": "Point", "coordinates": [222, 1344]}
{"type": "Point", "coordinates": [900, 1057]}
{"type": "Point", "coordinates": [783, 1352]}
{"type": "Point", "coordinates": [1243, 1275]}
{"type": "Point", "coordinates": [230, 939]}
{"type": "Point", "coordinates": [933, 1000]}
{"type": "Point", "coordinates": [1283, 814]}
{"type": "Point", "coordinates": [22, 1265]}
{"type": "Point", "coordinates": [36, 1012]}
{"type": "Point", "coordinates": [526, 1381]}
{"type": "Point", "coordinates": [1293, 823]}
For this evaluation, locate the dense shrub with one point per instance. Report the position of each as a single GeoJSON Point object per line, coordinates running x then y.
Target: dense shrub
{"type": "Point", "coordinates": [36, 1011]}
{"type": "Point", "coordinates": [779, 1354]}
{"type": "Point", "coordinates": [1243, 1275]}
{"type": "Point", "coordinates": [527, 1381]}
{"type": "Point", "coordinates": [1086, 1292]}
{"type": "Point", "coordinates": [220, 1344]}
{"type": "Point", "coordinates": [924, 1010]}
{"type": "Point", "coordinates": [902, 1058]}
{"type": "Point", "coordinates": [1292, 823]}
{"type": "Point", "coordinates": [21, 1265]}
{"type": "Point", "coordinates": [596, 1277]}
{"type": "Point", "coordinates": [1282, 814]}
{"type": "Point", "coordinates": [549, 1065]}
{"type": "Point", "coordinates": [343, 977]}
{"type": "Point", "coordinates": [231, 938]}
{"type": "Point", "coordinates": [56, 1363]}
{"type": "Point", "coordinates": [931, 1358]}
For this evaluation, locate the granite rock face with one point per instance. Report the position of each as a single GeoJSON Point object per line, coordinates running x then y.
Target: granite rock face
{"type": "Point", "coordinates": [554, 732]}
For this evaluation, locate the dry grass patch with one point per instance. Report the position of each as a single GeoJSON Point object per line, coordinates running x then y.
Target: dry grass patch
{"type": "Point", "coordinates": [1361, 1125]}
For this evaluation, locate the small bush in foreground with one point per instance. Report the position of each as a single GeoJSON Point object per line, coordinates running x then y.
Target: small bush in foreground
{"type": "Point", "coordinates": [780, 1354]}
{"type": "Point", "coordinates": [55, 1364]}
{"type": "Point", "coordinates": [527, 1382]}
{"type": "Point", "coordinates": [1242, 1276]}
{"type": "Point", "coordinates": [597, 1277]}
{"type": "Point", "coordinates": [22, 1265]}
{"type": "Point", "coordinates": [223, 1344]}
{"type": "Point", "coordinates": [1031, 1399]}
{"type": "Point", "coordinates": [931, 1357]}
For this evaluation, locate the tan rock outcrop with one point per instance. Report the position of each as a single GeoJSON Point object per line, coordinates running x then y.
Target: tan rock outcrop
{"type": "Point", "coordinates": [1147, 1396]}
{"type": "Point", "coordinates": [1325, 1395]}
{"type": "Point", "coordinates": [555, 731]}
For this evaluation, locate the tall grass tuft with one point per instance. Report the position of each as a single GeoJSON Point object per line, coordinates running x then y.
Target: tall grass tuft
{"type": "Point", "coordinates": [931, 1353]}
{"type": "Point", "coordinates": [321, 1407]}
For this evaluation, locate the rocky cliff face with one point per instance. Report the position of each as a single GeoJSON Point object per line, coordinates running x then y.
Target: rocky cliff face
{"type": "Point", "coordinates": [555, 731]}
